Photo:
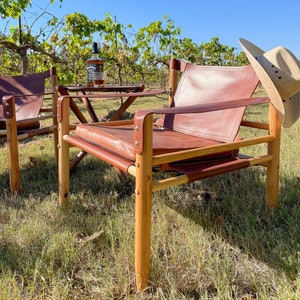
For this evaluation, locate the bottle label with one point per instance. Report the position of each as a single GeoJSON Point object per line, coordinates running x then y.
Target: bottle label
{"type": "Point", "coordinates": [91, 68]}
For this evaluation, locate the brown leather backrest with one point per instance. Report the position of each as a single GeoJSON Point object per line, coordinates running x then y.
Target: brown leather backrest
{"type": "Point", "coordinates": [33, 85]}
{"type": "Point", "coordinates": [208, 84]}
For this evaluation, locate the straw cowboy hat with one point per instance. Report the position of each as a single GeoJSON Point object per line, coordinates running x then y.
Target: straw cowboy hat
{"type": "Point", "coordinates": [279, 73]}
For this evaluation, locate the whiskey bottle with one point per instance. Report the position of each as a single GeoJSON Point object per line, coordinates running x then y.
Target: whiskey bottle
{"type": "Point", "coordinates": [95, 64]}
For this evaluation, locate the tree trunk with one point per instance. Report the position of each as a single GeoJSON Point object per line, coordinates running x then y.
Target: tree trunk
{"type": "Point", "coordinates": [23, 61]}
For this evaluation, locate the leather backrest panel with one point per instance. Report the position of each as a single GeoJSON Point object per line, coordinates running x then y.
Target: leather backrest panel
{"type": "Point", "coordinates": [26, 107]}
{"type": "Point", "coordinates": [203, 84]}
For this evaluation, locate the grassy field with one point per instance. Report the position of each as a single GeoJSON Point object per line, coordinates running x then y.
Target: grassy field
{"type": "Point", "coordinates": [210, 240]}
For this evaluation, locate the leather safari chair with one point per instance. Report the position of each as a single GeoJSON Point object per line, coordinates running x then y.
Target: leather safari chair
{"type": "Point", "coordinates": [196, 137]}
{"type": "Point", "coordinates": [22, 114]}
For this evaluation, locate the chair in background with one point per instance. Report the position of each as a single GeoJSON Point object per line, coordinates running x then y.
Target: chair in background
{"type": "Point", "coordinates": [195, 138]}
{"type": "Point", "coordinates": [22, 113]}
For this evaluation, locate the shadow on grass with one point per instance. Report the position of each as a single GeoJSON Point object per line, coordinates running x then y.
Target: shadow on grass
{"type": "Point", "coordinates": [95, 191]}
{"type": "Point", "coordinates": [39, 178]}
{"type": "Point", "coordinates": [231, 206]}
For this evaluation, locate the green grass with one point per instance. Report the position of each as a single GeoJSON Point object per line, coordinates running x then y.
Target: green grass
{"type": "Point", "coordinates": [211, 239]}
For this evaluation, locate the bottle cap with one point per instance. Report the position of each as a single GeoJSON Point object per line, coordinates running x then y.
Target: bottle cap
{"type": "Point", "coordinates": [95, 48]}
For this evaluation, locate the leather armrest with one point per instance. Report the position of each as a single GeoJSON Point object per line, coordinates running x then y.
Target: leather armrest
{"type": "Point", "coordinates": [201, 108]}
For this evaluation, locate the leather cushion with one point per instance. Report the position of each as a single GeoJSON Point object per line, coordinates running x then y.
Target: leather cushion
{"type": "Point", "coordinates": [119, 139]}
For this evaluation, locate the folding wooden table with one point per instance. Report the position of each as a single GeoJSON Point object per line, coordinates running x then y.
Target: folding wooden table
{"type": "Point", "coordinates": [102, 92]}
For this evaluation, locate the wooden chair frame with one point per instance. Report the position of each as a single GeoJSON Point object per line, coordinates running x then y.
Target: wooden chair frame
{"type": "Point", "coordinates": [142, 167]}
{"type": "Point", "coordinates": [13, 136]}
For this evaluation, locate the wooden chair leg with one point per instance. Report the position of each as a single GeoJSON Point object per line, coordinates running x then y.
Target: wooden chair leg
{"type": "Point", "coordinates": [272, 184]}
{"type": "Point", "coordinates": [143, 211]}
{"type": "Point", "coordinates": [55, 135]}
{"type": "Point", "coordinates": [142, 233]}
{"type": "Point", "coordinates": [54, 110]}
{"type": "Point", "coordinates": [13, 153]}
{"type": "Point", "coordinates": [63, 156]}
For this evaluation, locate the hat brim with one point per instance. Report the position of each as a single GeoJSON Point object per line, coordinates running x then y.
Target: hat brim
{"type": "Point", "coordinates": [291, 110]}
{"type": "Point", "coordinates": [252, 52]}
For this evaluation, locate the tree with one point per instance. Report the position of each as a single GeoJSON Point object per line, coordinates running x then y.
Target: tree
{"type": "Point", "coordinates": [155, 44]}
{"type": "Point", "coordinates": [216, 54]}
{"type": "Point", "coordinates": [188, 50]}
{"type": "Point", "coordinates": [14, 8]}
{"type": "Point", "coordinates": [21, 39]}
{"type": "Point", "coordinates": [116, 48]}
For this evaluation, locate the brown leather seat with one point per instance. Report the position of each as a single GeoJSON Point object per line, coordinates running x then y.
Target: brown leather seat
{"type": "Point", "coordinates": [196, 137]}
{"type": "Point", "coordinates": [120, 139]}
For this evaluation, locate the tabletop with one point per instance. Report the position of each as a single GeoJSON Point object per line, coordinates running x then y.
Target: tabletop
{"type": "Point", "coordinates": [104, 88]}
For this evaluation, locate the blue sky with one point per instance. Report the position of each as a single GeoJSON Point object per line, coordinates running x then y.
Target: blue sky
{"type": "Point", "coordinates": [265, 23]}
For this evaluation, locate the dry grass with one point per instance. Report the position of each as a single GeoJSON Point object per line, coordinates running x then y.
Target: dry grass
{"type": "Point", "coordinates": [211, 239]}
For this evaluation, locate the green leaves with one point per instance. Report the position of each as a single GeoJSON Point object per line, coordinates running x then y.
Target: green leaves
{"type": "Point", "coordinates": [79, 24]}
{"type": "Point", "coordinates": [14, 8]}
{"type": "Point", "coordinates": [218, 54]}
